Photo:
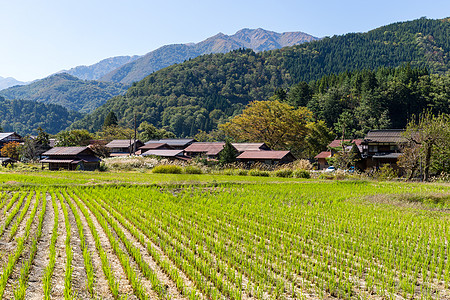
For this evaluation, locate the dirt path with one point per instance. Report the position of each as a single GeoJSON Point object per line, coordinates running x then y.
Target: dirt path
{"type": "Point", "coordinates": [101, 288]}
{"type": "Point", "coordinates": [35, 285]}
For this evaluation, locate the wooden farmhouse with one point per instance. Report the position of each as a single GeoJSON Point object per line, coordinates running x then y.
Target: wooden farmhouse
{"type": "Point", "coordinates": [266, 157]}
{"type": "Point", "coordinates": [8, 137]}
{"type": "Point", "coordinates": [123, 147]}
{"type": "Point", "coordinates": [71, 158]}
{"type": "Point", "coordinates": [381, 147]}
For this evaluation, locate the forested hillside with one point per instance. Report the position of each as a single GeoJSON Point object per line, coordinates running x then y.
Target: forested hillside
{"type": "Point", "coordinates": [200, 93]}
{"type": "Point", "coordinates": [66, 90]}
{"type": "Point", "coordinates": [24, 116]}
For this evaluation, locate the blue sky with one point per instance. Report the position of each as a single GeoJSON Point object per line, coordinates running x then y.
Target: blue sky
{"type": "Point", "coordinates": [39, 38]}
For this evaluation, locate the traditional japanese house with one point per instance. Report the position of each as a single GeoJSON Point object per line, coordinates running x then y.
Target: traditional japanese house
{"type": "Point", "coordinates": [71, 158]}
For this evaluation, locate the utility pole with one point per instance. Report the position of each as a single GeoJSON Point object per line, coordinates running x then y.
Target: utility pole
{"type": "Point", "coordinates": [135, 133]}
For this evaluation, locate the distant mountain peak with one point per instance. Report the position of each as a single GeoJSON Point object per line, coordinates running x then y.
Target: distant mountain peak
{"type": "Point", "coordinates": [257, 39]}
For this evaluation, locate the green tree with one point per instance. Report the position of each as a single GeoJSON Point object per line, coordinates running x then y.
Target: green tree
{"type": "Point", "coordinates": [110, 120]}
{"type": "Point", "coordinates": [228, 154]}
{"type": "Point", "coordinates": [149, 132]}
{"type": "Point", "coordinates": [70, 138]}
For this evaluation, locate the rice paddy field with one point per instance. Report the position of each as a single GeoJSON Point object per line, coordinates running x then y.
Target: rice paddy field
{"type": "Point", "coordinates": [82, 235]}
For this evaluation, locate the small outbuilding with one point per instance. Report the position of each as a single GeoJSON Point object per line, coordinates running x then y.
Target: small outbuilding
{"type": "Point", "coordinates": [71, 158]}
{"type": "Point", "coordinates": [321, 158]}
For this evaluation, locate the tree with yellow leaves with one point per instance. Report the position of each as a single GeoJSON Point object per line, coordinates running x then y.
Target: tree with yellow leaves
{"type": "Point", "coordinates": [275, 123]}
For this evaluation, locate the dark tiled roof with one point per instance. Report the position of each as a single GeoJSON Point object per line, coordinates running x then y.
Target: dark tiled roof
{"type": "Point", "coordinates": [385, 136]}
{"type": "Point", "coordinates": [177, 142]}
{"type": "Point", "coordinates": [65, 151]}
{"type": "Point", "coordinates": [264, 154]}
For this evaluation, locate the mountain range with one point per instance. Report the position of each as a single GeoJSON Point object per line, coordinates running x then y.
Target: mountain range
{"type": "Point", "coordinates": [98, 70]}
{"type": "Point", "coordinates": [9, 82]}
{"type": "Point", "coordinates": [68, 91]}
{"type": "Point", "coordinates": [256, 39]}
{"type": "Point", "coordinates": [202, 92]}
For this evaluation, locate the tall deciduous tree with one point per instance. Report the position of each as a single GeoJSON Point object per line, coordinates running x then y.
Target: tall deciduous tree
{"type": "Point", "coordinates": [277, 124]}
{"type": "Point", "coordinates": [70, 138]}
{"type": "Point", "coordinates": [11, 150]}
{"type": "Point", "coordinates": [428, 145]}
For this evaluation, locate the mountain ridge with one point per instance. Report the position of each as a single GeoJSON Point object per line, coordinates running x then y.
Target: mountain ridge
{"type": "Point", "coordinates": [66, 90]}
{"type": "Point", "coordinates": [256, 39]}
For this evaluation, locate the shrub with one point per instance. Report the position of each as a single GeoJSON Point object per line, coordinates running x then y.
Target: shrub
{"type": "Point", "coordinates": [192, 170]}
{"type": "Point", "coordinates": [386, 172]}
{"type": "Point", "coordinates": [302, 174]}
{"type": "Point", "coordinates": [241, 172]}
{"type": "Point", "coordinates": [228, 172]}
{"type": "Point", "coordinates": [283, 173]}
{"type": "Point", "coordinates": [168, 169]}
{"type": "Point", "coordinates": [303, 164]}
{"type": "Point", "coordinates": [256, 172]}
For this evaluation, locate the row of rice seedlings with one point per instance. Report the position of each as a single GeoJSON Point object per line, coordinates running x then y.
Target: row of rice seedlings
{"type": "Point", "coordinates": [4, 200]}
{"type": "Point", "coordinates": [86, 254]}
{"type": "Point", "coordinates": [191, 272]}
{"type": "Point", "coordinates": [134, 252]}
{"type": "Point", "coordinates": [133, 278]}
{"type": "Point", "coordinates": [193, 267]}
{"type": "Point", "coordinates": [68, 293]}
{"type": "Point", "coordinates": [20, 289]}
{"type": "Point", "coordinates": [12, 201]}
{"type": "Point", "coordinates": [14, 257]}
{"type": "Point", "coordinates": [164, 264]}
{"type": "Point", "coordinates": [47, 278]}
{"type": "Point", "coordinates": [106, 266]}
{"type": "Point", "coordinates": [231, 265]}
{"type": "Point", "coordinates": [12, 214]}
{"type": "Point", "coordinates": [21, 216]}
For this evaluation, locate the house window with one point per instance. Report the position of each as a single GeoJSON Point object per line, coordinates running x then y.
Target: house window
{"type": "Point", "coordinates": [373, 148]}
